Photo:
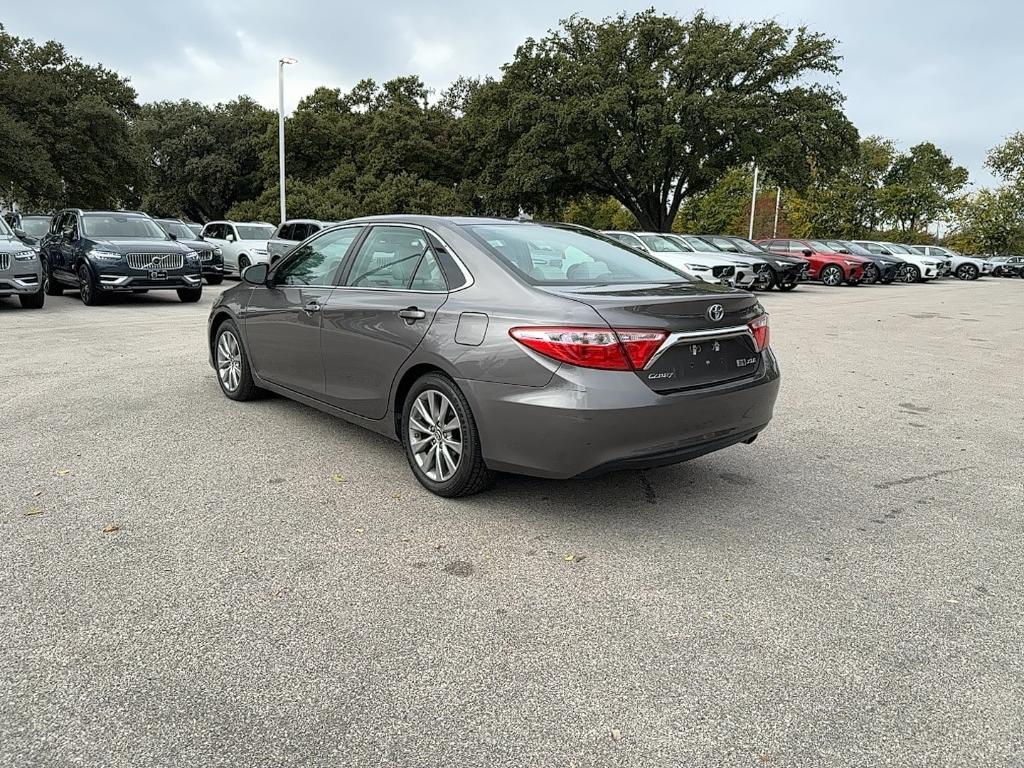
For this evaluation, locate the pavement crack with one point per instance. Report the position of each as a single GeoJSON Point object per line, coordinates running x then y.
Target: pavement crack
{"type": "Point", "coordinates": [919, 478]}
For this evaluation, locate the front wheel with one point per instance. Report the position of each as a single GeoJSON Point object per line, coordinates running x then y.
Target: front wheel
{"type": "Point", "coordinates": [910, 274]}
{"type": "Point", "coordinates": [831, 275]}
{"type": "Point", "coordinates": [243, 264]}
{"type": "Point", "coordinates": [87, 287]}
{"type": "Point", "coordinates": [33, 300]}
{"type": "Point", "coordinates": [190, 295]}
{"type": "Point", "coordinates": [441, 440]}
{"type": "Point", "coordinates": [871, 274]}
{"type": "Point", "coordinates": [233, 371]}
{"type": "Point", "coordinates": [50, 286]}
{"type": "Point", "coordinates": [967, 272]}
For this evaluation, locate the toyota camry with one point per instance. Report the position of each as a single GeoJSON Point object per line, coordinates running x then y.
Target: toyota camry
{"type": "Point", "coordinates": [486, 345]}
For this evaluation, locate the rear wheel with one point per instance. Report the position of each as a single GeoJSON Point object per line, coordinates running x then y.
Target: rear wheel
{"type": "Point", "coordinates": [233, 372]}
{"type": "Point", "coordinates": [967, 272]}
{"type": "Point", "coordinates": [831, 275]}
{"type": "Point", "coordinates": [190, 295]}
{"type": "Point", "coordinates": [87, 287]}
{"type": "Point", "coordinates": [441, 440]}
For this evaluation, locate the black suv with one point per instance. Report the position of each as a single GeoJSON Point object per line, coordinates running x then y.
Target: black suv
{"type": "Point", "coordinates": [104, 252]}
{"type": "Point", "coordinates": [210, 255]}
{"type": "Point", "coordinates": [786, 271]}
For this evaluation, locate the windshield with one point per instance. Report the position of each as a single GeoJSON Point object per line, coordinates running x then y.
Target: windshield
{"type": "Point", "coordinates": [35, 226]}
{"type": "Point", "coordinates": [737, 243]}
{"type": "Point", "coordinates": [548, 255]}
{"type": "Point", "coordinates": [820, 247]}
{"type": "Point", "coordinates": [5, 228]}
{"type": "Point", "coordinates": [119, 225]}
{"type": "Point", "coordinates": [683, 245]}
{"type": "Point", "coordinates": [856, 250]}
{"type": "Point", "coordinates": [699, 244]}
{"type": "Point", "coordinates": [899, 249]}
{"type": "Point", "coordinates": [254, 231]}
{"type": "Point", "coordinates": [176, 228]}
{"type": "Point", "coordinates": [196, 229]}
{"type": "Point", "coordinates": [659, 243]}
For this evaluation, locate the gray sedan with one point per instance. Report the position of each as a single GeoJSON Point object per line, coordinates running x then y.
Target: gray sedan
{"type": "Point", "coordinates": [485, 345]}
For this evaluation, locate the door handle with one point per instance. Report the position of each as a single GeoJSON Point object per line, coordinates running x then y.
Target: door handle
{"type": "Point", "coordinates": [411, 314]}
{"type": "Point", "coordinates": [312, 306]}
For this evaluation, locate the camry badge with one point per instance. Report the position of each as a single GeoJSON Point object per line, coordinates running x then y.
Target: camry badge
{"type": "Point", "coordinates": [715, 312]}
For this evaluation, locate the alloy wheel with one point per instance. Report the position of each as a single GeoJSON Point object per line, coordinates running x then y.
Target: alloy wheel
{"type": "Point", "coordinates": [229, 361]}
{"type": "Point", "coordinates": [85, 283]}
{"type": "Point", "coordinates": [435, 435]}
{"type": "Point", "coordinates": [832, 276]}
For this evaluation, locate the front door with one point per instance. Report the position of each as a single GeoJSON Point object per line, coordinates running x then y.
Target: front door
{"type": "Point", "coordinates": [373, 322]}
{"type": "Point", "coordinates": [283, 318]}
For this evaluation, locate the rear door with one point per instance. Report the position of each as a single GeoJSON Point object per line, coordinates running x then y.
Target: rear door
{"type": "Point", "coordinates": [283, 319]}
{"type": "Point", "coordinates": [391, 290]}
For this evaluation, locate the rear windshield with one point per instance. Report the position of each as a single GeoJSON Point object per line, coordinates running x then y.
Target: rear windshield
{"type": "Point", "coordinates": [548, 255]}
{"type": "Point", "coordinates": [121, 226]}
{"type": "Point", "coordinates": [254, 231]}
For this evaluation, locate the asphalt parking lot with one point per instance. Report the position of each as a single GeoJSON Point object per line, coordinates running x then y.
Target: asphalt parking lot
{"type": "Point", "coordinates": [280, 591]}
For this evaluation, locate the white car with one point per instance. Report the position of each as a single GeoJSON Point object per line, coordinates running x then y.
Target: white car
{"type": "Point", "coordinates": [750, 270]}
{"type": "Point", "coordinates": [918, 267]}
{"type": "Point", "coordinates": [243, 243]}
{"type": "Point", "coordinates": [964, 267]}
{"type": "Point", "coordinates": [290, 234]}
{"type": "Point", "coordinates": [708, 267]}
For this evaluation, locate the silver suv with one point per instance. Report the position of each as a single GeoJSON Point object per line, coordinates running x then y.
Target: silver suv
{"type": "Point", "coordinates": [20, 273]}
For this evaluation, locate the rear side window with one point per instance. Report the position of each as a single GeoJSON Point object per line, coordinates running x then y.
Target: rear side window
{"type": "Point", "coordinates": [548, 255]}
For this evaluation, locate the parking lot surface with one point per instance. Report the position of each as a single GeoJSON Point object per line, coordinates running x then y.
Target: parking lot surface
{"type": "Point", "coordinates": [186, 580]}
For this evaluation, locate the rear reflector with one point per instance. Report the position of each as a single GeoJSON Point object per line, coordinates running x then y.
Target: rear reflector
{"type": "Point", "coordinates": [759, 328]}
{"type": "Point", "coordinates": [611, 350]}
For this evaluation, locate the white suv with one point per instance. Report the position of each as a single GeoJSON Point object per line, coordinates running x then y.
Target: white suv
{"type": "Point", "coordinates": [290, 234]}
{"type": "Point", "coordinates": [243, 243]}
{"type": "Point", "coordinates": [964, 267]}
{"type": "Point", "coordinates": [709, 267]}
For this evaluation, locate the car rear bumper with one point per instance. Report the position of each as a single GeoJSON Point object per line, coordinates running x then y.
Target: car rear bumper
{"type": "Point", "coordinates": [587, 422]}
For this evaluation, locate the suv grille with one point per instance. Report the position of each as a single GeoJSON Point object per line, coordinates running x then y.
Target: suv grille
{"type": "Point", "coordinates": [206, 255]}
{"type": "Point", "coordinates": [155, 260]}
{"type": "Point", "coordinates": [5, 261]}
{"type": "Point", "coordinates": [723, 271]}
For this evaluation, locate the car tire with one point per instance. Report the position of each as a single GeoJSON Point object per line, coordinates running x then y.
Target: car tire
{"type": "Point", "coordinates": [50, 286]}
{"type": "Point", "coordinates": [872, 275]}
{"type": "Point", "coordinates": [967, 272]}
{"type": "Point", "coordinates": [215, 279]}
{"type": "Point", "coordinates": [88, 290]}
{"type": "Point", "coordinates": [33, 300]}
{"type": "Point", "coordinates": [234, 374]}
{"type": "Point", "coordinates": [831, 275]}
{"type": "Point", "coordinates": [772, 280]}
{"type": "Point", "coordinates": [433, 403]}
{"type": "Point", "coordinates": [190, 295]}
{"type": "Point", "coordinates": [910, 274]}
{"type": "Point", "coordinates": [243, 264]}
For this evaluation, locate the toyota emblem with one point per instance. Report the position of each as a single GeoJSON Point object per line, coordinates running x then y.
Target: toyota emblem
{"type": "Point", "coordinates": [715, 312]}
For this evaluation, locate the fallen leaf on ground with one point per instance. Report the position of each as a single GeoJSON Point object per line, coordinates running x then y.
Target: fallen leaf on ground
{"type": "Point", "coordinates": [34, 512]}
{"type": "Point", "coordinates": [616, 734]}
{"type": "Point", "coordinates": [574, 557]}
{"type": "Point", "coordinates": [111, 528]}
{"type": "Point", "coordinates": [63, 472]}
{"type": "Point", "coordinates": [37, 494]}
{"type": "Point", "coordinates": [360, 530]}
{"type": "Point", "coordinates": [340, 479]}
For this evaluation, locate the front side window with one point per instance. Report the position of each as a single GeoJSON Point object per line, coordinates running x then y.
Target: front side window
{"type": "Point", "coordinates": [661, 244]}
{"type": "Point", "coordinates": [388, 258]}
{"type": "Point", "coordinates": [572, 256]}
{"type": "Point", "coordinates": [317, 262]}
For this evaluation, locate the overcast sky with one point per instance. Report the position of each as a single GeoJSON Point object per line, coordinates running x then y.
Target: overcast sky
{"type": "Point", "coordinates": [947, 71]}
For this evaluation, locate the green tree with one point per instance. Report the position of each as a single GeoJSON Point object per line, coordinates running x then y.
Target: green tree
{"type": "Point", "coordinates": [64, 126]}
{"type": "Point", "coordinates": [652, 110]}
{"type": "Point", "coordinates": [598, 213]}
{"type": "Point", "coordinates": [990, 221]}
{"type": "Point", "coordinates": [1007, 160]}
{"type": "Point", "coordinates": [920, 187]}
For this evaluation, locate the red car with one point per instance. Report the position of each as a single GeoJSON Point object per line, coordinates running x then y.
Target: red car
{"type": "Point", "coordinates": [826, 265]}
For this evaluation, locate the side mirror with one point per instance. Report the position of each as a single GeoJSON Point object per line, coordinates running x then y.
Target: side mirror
{"type": "Point", "coordinates": [20, 233]}
{"type": "Point", "coordinates": [230, 238]}
{"type": "Point", "coordinates": [172, 236]}
{"type": "Point", "coordinates": [256, 274]}
{"type": "Point", "coordinates": [844, 250]}
{"type": "Point", "coordinates": [807, 252]}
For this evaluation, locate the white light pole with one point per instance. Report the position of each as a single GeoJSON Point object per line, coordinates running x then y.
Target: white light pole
{"type": "Point", "coordinates": [280, 126]}
{"type": "Point", "coordinates": [753, 204]}
{"type": "Point", "coordinates": [778, 199]}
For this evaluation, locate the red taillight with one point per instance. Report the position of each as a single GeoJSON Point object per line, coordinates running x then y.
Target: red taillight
{"type": "Point", "coordinates": [759, 327]}
{"type": "Point", "coordinates": [618, 350]}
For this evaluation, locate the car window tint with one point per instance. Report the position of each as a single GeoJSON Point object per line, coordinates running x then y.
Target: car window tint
{"type": "Point", "coordinates": [428, 276]}
{"type": "Point", "coordinates": [254, 231]}
{"type": "Point", "coordinates": [284, 232]}
{"type": "Point", "coordinates": [317, 262]}
{"type": "Point", "coordinates": [388, 258]}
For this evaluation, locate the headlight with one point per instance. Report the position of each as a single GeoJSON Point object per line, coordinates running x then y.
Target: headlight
{"type": "Point", "coordinates": [24, 255]}
{"type": "Point", "coordinates": [850, 263]}
{"type": "Point", "coordinates": [698, 268]}
{"type": "Point", "coordinates": [885, 263]}
{"type": "Point", "coordinates": [105, 255]}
